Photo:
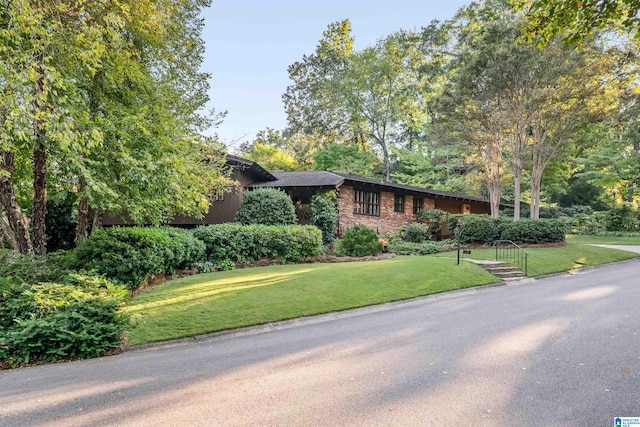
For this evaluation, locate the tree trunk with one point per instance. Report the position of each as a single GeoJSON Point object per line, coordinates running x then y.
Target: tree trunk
{"type": "Point", "coordinates": [536, 180]}
{"type": "Point", "coordinates": [82, 227]}
{"type": "Point", "coordinates": [16, 219]}
{"type": "Point", "coordinates": [494, 189]}
{"type": "Point", "coordinates": [7, 232]}
{"type": "Point", "coordinates": [97, 220]}
{"type": "Point", "coordinates": [516, 196]}
{"type": "Point", "coordinates": [39, 165]}
{"type": "Point", "coordinates": [493, 152]}
{"type": "Point", "coordinates": [39, 200]}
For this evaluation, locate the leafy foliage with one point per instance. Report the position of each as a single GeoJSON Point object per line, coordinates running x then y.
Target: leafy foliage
{"type": "Point", "coordinates": [246, 243]}
{"type": "Point", "coordinates": [346, 158]}
{"type": "Point", "coordinates": [400, 247]}
{"type": "Point", "coordinates": [483, 229]}
{"type": "Point", "coordinates": [267, 206]}
{"type": "Point", "coordinates": [33, 269]}
{"type": "Point", "coordinates": [576, 20]}
{"type": "Point", "coordinates": [416, 232]}
{"type": "Point", "coordinates": [360, 241]}
{"type": "Point", "coordinates": [324, 214]}
{"type": "Point", "coordinates": [535, 231]}
{"type": "Point", "coordinates": [623, 218]}
{"type": "Point", "coordinates": [78, 317]}
{"type": "Point", "coordinates": [131, 255]}
{"type": "Point", "coordinates": [435, 218]}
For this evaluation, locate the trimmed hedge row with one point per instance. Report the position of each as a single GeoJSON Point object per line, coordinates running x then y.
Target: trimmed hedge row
{"type": "Point", "coordinates": [79, 317]}
{"type": "Point", "coordinates": [484, 229]}
{"type": "Point", "coordinates": [246, 243]}
{"type": "Point", "coordinates": [131, 255]}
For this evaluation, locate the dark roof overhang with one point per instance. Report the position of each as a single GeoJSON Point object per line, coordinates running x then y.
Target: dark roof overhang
{"type": "Point", "coordinates": [251, 168]}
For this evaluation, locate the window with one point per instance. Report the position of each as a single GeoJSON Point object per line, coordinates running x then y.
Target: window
{"type": "Point", "coordinates": [398, 203]}
{"type": "Point", "coordinates": [418, 205]}
{"type": "Point", "coordinates": [366, 203]}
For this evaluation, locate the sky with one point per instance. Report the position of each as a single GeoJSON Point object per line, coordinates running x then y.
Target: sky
{"type": "Point", "coordinates": [250, 44]}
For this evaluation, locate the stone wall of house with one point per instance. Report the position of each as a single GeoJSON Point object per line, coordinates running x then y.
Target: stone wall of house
{"type": "Point", "coordinates": [388, 221]}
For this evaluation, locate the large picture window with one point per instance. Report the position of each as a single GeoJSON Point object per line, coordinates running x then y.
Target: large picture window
{"type": "Point", "coordinates": [398, 203]}
{"type": "Point", "coordinates": [366, 203]}
{"type": "Point", "coordinates": [418, 205]}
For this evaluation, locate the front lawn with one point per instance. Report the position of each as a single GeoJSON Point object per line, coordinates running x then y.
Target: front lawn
{"type": "Point", "coordinates": [213, 302]}
{"type": "Point", "coordinates": [577, 253]}
{"type": "Point", "coordinates": [225, 300]}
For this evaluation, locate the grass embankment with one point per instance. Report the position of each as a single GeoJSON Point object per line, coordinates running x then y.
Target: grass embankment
{"type": "Point", "coordinates": [578, 253]}
{"type": "Point", "coordinates": [225, 300]}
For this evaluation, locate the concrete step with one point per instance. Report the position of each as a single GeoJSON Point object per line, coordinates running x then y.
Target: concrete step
{"type": "Point", "coordinates": [504, 271]}
{"type": "Point", "coordinates": [508, 274]}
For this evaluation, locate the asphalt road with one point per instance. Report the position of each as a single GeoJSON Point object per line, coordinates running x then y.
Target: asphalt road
{"type": "Point", "coordinates": [559, 351]}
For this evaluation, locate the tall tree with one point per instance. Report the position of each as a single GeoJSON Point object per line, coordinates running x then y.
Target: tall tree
{"type": "Point", "coordinates": [575, 20]}
{"type": "Point", "coordinates": [104, 98]}
{"type": "Point", "coordinates": [382, 86]}
{"type": "Point", "coordinates": [309, 104]}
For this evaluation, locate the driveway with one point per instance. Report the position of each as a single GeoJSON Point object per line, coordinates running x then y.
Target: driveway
{"type": "Point", "coordinates": [630, 248]}
{"type": "Point", "coordinates": [559, 351]}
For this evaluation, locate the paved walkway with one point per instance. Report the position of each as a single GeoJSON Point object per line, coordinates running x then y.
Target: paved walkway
{"type": "Point", "coordinates": [630, 248]}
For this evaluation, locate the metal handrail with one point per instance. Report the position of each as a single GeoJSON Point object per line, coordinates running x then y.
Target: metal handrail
{"type": "Point", "coordinates": [508, 251]}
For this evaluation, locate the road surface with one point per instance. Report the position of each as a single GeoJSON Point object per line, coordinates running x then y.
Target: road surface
{"type": "Point", "coordinates": [559, 351]}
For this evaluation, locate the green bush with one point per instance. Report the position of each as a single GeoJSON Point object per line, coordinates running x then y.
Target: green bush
{"type": "Point", "coordinates": [416, 233]}
{"type": "Point", "coordinates": [246, 243]}
{"type": "Point", "coordinates": [360, 241]}
{"type": "Point", "coordinates": [535, 231]}
{"type": "Point", "coordinates": [131, 255]}
{"type": "Point", "coordinates": [400, 247]}
{"type": "Point", "coordinates": [78, 317]}
{"type": "Point", "coordinates": [484, 229]}
{"type": "Point", "coordinates": [436, 218]}
{"type": "Point", "coordinates": [324, 214]}
{"type": "Point", "coordinates": [623, 218]}
{"type": "Point", "coordinates": [267, 206]}
{"type": "Point", "coordinates": [477, 228]}
{"type": "Point", "coordinates": [34, 269]}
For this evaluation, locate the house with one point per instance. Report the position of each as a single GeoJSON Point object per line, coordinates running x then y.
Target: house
{"type": "Point", "coordinates": [223, 206]}
{"type": "Point", "coordinates": [381, 205]}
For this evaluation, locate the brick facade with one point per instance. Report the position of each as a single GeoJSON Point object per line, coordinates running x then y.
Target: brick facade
{"type": "Point", "coordinates": [387, 221]}
{"type": "Point", "coordinates": [390, 220]}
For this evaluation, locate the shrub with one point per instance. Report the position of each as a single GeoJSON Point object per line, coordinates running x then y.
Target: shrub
{"type": "Point", "coordinates": [131, 255]}
{"type": "Point", "coordinates": [34, 269]}
{"type": "Point", "coordinates": [246, 243]}
{"type": "Point", "coordinates": [324, 214]}
{"type": "Point", "coordinates": [79, 317]}
{"type": "Point", "coordinates": [416, 233]}
{"type": "Point", "coordinates": [623, 218]}
{"type": "Point", "coordinates": [435, 219]}
{"type": "Point", "coordinates": [360, 241]}
{"type": "Point", "coordinates": [477, 228]}
{"type": "Point", "coordinates": [535, 231]}
{"type": "Point", "coordinates": [400, 247]}
{"type": "Point", "coordinates": [267, 206]}
{"type": "Point", "coordinates": [484, 229]}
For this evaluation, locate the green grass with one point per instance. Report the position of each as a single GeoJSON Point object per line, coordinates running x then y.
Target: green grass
{"type": "Point", "coordinates": [577, 254]}
{"type": "Point", "coordinates": [604, 240]}
{"type": "Point", "coordinates": [224, 300]}
{"type": "Point", "coordinates": [213, 302]}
